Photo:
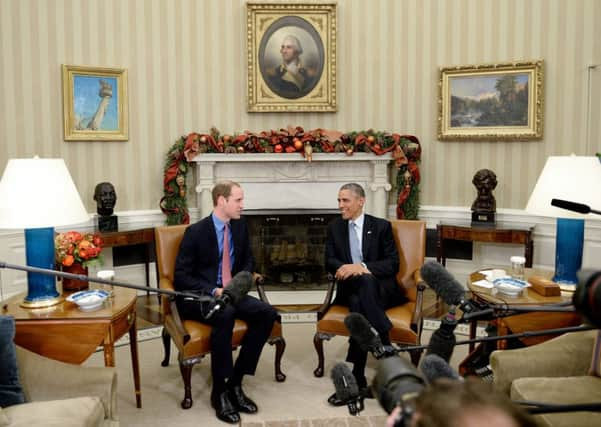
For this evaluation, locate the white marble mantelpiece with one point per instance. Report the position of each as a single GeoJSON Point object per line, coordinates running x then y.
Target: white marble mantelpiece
{"type": "Point", "coordinates": [286, 181]}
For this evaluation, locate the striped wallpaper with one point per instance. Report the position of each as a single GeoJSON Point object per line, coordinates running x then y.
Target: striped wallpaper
{"type": "Point", "coordinates": [186, 65]}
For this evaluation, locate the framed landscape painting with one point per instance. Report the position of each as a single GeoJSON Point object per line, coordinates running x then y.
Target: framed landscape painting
{"type": "Point", "coordinates": [493, 102]}
{"type": "Point", "coordinates": [95, 103]}
{"type": "Point", "coordinates": [291, 51]}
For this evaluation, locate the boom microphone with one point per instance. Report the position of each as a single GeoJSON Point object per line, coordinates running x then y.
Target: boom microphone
{"type": "Point", "coordinates": [573, 206]}
{"type": "Point", "coordinates": [236, 289]}
{"type": "Point", "coordinates": [435, 367]}
{"type": "Point", "coordinates": [366, 336]}
{"type": "Point", "coordinates": [445, 286]}
{"type": "Point", "coordinates": [347, 389]}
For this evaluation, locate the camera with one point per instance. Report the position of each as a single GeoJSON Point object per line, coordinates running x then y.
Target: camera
{"type": "Point", "coordinates": [587, 296]}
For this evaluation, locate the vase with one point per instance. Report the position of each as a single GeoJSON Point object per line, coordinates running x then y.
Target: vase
{"type": "Point", "coordinates": [74, 284]}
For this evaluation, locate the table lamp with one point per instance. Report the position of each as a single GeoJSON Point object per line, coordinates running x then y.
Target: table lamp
{"type": "Point", "coordinates": [575, 179]}
{"type": "Point", "coordinates": [37, 195]}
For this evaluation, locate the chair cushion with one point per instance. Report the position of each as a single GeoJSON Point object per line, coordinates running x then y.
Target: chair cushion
{"type": "Point", "coordinates": [596, 359]}
{"type": "Point", "coordinates": [561, 390]}
{"type": "Point", "coordinates": [11, 392]}
{"type": "Point", "coordinates": [76, 412]}
{"type": "Point", "coordinates": [200, 337]}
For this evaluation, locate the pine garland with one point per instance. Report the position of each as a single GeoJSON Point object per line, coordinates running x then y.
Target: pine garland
{"type": "Point", "coordinates": [405, 150]}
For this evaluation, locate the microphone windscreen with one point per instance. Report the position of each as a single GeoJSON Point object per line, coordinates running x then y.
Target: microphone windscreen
{"type": "Point", "coordinates": [434, 367]}
{"type": "Point", "coordinates": [362, 332]}
{"type": "Point", "coordinates": [345, 383]}
{"type": "Point", "coordinates": [238, 286]}
{"type": "Point", "coordinates": [442, 282]}
{"type": "Point", "coordinates": [442, 342]}
{"type": "Point", "coordinates": [571, 206]}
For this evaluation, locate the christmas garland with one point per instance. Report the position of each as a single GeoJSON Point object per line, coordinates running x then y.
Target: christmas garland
{"type": "Point", "coordinates": [405, 150]}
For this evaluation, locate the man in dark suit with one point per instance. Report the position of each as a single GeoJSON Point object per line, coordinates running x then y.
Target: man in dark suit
{"type": "Point", "coordinates": [362, 255]}
{"type": "Point", "coordinates": [212, 250]}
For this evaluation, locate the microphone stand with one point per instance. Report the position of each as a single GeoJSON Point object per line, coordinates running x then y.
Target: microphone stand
{"type": "Point", "coordinates": [82, 277]}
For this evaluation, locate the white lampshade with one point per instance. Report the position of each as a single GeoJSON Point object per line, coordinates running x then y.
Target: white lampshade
{"type": "Point", "coordinates": [38, 193]}
{"type": "Point", "coordinates": [572, 178]}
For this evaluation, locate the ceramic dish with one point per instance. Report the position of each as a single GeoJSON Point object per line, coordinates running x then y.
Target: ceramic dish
{"type": "Point", "coordinates": [89, 300]}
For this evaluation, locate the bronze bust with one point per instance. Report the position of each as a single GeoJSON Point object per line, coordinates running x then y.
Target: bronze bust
{"type": "Point", "coordinates": [106, 197]}
{"type": "Point", "coordinates": [485, 205]}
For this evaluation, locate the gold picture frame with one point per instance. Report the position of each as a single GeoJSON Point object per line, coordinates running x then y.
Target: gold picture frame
{"type": "Point", "coordinates": [94, 103]}
{"type": "Point", "coordinates": [492, 102]}
{"type": "Point", "coordinates": [303, 35]}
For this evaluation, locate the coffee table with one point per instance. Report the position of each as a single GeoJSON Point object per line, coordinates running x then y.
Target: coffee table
{"type": "Point", "coordinates": [64, 332]}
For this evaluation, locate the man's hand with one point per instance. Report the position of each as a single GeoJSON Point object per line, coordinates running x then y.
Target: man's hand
{"type": "Point", "coordinates": [218, 292]}
{"type": "Point", "coordinates": [348, 270]}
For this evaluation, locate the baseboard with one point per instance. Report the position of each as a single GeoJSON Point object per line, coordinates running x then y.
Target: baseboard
{"type": "Point", "coordinates": [461, 329]}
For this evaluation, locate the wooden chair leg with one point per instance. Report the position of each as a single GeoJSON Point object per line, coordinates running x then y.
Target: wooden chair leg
{"type": "Point", "coordinates": [167, 346]}
{"type": "Point", "coordinates": [318, 343]}
{"type": "Point", "coordinates": [186, 371]}
{"type": "Point", "coordinates": [280, 346]}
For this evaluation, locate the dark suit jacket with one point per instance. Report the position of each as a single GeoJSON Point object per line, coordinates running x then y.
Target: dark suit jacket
{"type": "Point", "coordinates": [379, 253]}
{"type": "Point", "coordinates": [198, 257]}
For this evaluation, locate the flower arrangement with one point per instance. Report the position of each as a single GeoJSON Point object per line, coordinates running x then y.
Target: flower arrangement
{"type": "Point", "coordinates": [74, 247]}
{"type": "Point", "coordinates": [405, 150]}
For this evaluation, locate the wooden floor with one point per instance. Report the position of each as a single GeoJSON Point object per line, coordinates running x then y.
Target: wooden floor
{"type": "Point", "coordinates": [149, 312]}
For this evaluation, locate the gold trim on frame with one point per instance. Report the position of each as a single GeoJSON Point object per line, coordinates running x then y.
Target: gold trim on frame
{"type": "Point", "coordinates": [75, 128]}
{"type": "Point", "coordinates": [532, 130]}
{"type": "Point", "coordinates": [267, 25]}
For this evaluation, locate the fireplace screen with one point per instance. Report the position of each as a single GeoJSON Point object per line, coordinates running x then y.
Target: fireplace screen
{"type": "Point", "coordinates": [289, 249]}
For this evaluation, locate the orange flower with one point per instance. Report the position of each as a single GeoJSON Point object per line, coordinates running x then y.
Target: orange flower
{"type": "Point", "coordinates": [74, 247]}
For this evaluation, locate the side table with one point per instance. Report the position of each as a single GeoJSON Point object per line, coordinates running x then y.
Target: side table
{"type": "Point", "coordinates": [63, 332]}
{"type": "Point", "coordinates": [494, 233]}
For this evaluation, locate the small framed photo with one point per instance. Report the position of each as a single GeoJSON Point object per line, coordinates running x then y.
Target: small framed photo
{"type": "Point", "coordinates": [95, 103]}
{"type": "Point", "coordinates": [493, 102]}
{"type": "Point", "coordinates": [291, 51]}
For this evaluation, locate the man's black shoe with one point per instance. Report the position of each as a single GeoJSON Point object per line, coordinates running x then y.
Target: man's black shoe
{"type": "Point", "coordinates": [334, 401]}
{"type": "Point", "coordinates": [364, 393]}
{"type": "Point", "coordinates": [224, 410]}
{"type": "Point", "coordinates": [241, 401]}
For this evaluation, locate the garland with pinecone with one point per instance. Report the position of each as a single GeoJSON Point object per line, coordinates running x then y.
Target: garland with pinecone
{"type": "Point", "coordinates": [405, 150]}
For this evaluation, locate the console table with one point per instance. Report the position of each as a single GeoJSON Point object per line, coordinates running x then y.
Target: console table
{"type": "Point", "coordinates": [493, 233]}
{"type": "Point", "coordinates": [64, 332]}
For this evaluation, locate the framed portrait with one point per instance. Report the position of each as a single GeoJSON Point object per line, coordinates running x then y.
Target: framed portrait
{"type": "Point", "coordinates": [291, 51]}
{"type": "Point", "coordinates": [493, 102]}
{"type": "Point", "coordinates": [95, 103]}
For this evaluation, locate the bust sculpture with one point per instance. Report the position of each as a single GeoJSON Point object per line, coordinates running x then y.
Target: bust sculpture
{"type": "Point", "coordinates": [106, 197]}
{"type": "Point", "coordinates": [485, 205]}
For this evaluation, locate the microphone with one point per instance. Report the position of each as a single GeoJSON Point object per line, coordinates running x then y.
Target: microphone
{"type": "Point", "coordinates": [445, 286]}
{"type": "Point", "coordinates": [443, 340]}
{"type": "Point", "coordinates": [347, 389]}
{"type": "Point", "coordinates": [236, 289]}
{"type": "Point", "coordinates": [366, 336]}
{"type": "Point", "coordinates": [573, 206]}
{"type": "Point", "coordinates": [435, 367]}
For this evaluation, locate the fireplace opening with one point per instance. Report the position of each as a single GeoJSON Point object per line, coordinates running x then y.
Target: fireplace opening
{"type": "Point", "coordinates": [289, 249]}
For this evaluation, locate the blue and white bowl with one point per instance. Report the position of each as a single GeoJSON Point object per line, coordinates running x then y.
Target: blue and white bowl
{"type": "Point", "coordinates": [89, 300]}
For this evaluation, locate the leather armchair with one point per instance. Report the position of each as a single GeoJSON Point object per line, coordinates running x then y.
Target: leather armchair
{"type": "Point", "coordinates": [192, 338]}
{"type": "Point", "coordinates": [555, 371]}
{"type": "Point", "coordinates": [59, 393]}
{"type": "Point", "coordinates": [410, 238]}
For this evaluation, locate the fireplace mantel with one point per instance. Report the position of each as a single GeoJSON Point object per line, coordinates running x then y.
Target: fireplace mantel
{"type": "Point", "coordinates": [287, 182]}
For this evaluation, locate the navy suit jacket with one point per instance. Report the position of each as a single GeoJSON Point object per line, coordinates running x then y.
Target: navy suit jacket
{"type": "Point", "coordinates": [198, 257]}
{"type": "Point", "coordinates": [379, 253]}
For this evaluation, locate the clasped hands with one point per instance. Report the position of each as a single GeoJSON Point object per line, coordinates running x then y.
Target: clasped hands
{"type": "Point", "coordinates": [348, 270]}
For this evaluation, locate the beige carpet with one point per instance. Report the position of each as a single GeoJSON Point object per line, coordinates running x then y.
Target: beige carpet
{"type": "Point", "coordinates": [300, 400]}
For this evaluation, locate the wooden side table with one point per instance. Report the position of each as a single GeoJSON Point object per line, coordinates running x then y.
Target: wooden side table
{"type": "Point", "coordinates": [495, 233]}
{"type": "Point", "coordinates": [64, 332]}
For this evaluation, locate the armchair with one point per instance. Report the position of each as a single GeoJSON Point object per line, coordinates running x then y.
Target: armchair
{"type": "Point", "coordinates": [410, 238]}
{"type": "Point", "coordinates": [555, 371]}
{"type": "Point", "coordinates": [192, 338]}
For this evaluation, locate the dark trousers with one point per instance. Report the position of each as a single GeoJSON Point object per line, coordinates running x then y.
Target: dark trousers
{"type": "Point", "coordinates": [259, 316]}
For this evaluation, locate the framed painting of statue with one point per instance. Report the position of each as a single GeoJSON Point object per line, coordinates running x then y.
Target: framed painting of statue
{"type": "Point", "coordinates": [95, 103]}
{"type": "Point", "coordinates": [492, 102]}
{"type": "Point", "coordinates": [291, 51]}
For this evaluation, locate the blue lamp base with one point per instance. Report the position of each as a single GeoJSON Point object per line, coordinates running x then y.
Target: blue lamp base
{"type": "Point", "coordinates": [568, 250]}
{"type": "Point", "coordinates": [39, 252]}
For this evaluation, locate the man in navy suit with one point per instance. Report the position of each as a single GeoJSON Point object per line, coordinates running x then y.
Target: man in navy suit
{"type": "Point", "coordinates": [362, 255]}
{"type": "Point", "coordinates": [201, 267]}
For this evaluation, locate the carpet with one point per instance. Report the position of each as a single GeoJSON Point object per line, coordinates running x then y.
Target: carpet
{"type": "Point", "coordinates": [360, 421]}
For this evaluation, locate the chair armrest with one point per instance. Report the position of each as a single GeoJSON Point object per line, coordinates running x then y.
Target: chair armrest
{"type": "Point", "coordinates": [259, 282]}
{"type": "Point", "coordinates": [564, 356]}
{"type": "Point", "coordinates": [416, 321]}
{"type": "Point", "coordinates": [177, 322]}
{"type": "Point", "coordinates": [327, 301]}
{"type": "Point", "coordinates": [47, 379]}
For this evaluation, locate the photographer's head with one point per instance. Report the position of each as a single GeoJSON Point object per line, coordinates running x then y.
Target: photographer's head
{"type": "Point", "coordinates": [469, 403]}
